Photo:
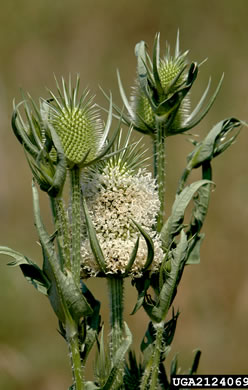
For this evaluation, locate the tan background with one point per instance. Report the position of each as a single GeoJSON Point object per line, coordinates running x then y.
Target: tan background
{"type": "Point", "coordinates": [93, 37]}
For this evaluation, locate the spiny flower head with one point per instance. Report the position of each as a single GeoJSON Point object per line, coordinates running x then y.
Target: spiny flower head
{"type": "Point", "coordinates": [164, 78]}
{"type": "Point", "coordinates": [42, 147]}
{"type": "Point", "coordinates": [160, 97]}
{"type": "Point", "coordinates": [77, 123]}
{"type": "Point", "coordinates": [117, 194]}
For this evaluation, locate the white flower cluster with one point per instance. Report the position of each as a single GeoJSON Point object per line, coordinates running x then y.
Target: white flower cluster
{"type": "Point", "coordinates": [114, 197]}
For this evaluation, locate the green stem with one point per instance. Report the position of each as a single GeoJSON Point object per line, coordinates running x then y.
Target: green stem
{"type": "Point", "coordinates": [76, 223]}
{"type": "Point", "coordinates": [183, 179]}
{"type": "Point", "coordinates": [155, 161]}
{"type": "Point", "coordinates": [159, 162]}
{"type": "Point", "coordinates": [116, 311]}
{"type": "Point", "coordinates": [146, 376]}
{"type": "Point", "coordinates": [156, 356]}
{"type": "Point", "coordinates": [62, 225]}
{"type": "Point", "coordinates": [150, 376]}
{"type": "Point", "coordinates": [72, 340]}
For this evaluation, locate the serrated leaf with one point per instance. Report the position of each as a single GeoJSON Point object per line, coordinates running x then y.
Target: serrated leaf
{"type": "Point", "coordinates": [30, 270]}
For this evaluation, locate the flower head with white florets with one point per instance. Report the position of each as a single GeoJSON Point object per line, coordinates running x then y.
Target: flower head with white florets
{"type": "Point", "coordinates": [123, 203]}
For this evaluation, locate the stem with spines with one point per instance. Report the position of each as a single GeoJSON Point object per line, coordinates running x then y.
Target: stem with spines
{"type": "Point", "coordinates": [72, 340]}
{"type": "Point", "coordinates": [156, 356]}
{"type": "Point", "coordinates": [159, 170]}
{"type": "Point", "coordinates": [75, 223]}
{"type": "Point", "coordinates": [116, 290]}
{"type": "Point", "coordinates": [62, 225]}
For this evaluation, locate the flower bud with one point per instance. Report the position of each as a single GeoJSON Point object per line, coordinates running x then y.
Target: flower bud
{"type": "Point", "coordinates": [159, 97]}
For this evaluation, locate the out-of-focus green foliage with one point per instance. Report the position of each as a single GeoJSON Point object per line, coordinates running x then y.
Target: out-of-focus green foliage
{"type": "Point", "coordinates": [94, 38]}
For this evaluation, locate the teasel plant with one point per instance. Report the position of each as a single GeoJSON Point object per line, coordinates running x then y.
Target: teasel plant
{"type": "Point", "coordinates": [114, 225]}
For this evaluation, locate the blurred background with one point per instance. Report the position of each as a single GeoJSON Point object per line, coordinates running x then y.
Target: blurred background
{"type": "Point", "coordinates": [93, 37]}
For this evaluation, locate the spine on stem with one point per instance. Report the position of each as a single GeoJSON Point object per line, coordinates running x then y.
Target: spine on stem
{"type": "Point", "coordinates": [159, 170]}
{"type": "Point", "coordinates": [75, 223]}
{"type": "Point", "coordinates": [77, 369]}
{"type": "Point", "coordinates": [116, 312]}
{"type": "Point", "coordinates": [62, 225]}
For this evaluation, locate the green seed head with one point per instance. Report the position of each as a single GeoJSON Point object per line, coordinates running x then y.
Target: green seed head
{"type": "Point", "coordinates": [78, 132]}
{"type": "Point", "coordinates": [76, 122]}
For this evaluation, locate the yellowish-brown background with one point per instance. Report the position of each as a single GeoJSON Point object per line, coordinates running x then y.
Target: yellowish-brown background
{"type": "Point", "coordinates": [93, 37]}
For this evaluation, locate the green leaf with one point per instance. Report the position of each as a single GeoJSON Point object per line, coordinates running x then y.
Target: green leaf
{"type": "Point", "coordinates": [168, 291]}
{"type": "Point", "coordinates": [93, 324]}
{"type": "Point", "coordinates": [174, 224]}
{"type": "Point", "coordinates": [94, 243]}
{"type": "Point", "coordinates": [21, 134]}
{"type": "Point", "coordinates": [30, 270]}
{"type": "Point", "coordinates": [124, 97]}
{"type": "Point", "coordinates": [196, 361]}
{"type": "Point", "coordinates": [150, 246]}
{"type": "Point", "coordinates": [201, 202]}
{"type": "Point", "coordinates": [140, 52]}
{"type": "Point", "coordinates": [194, 256]}
{"type": "Point", "coordinates": [194, 120]}
{"type": "Point", "coordinates": [132, 258]}
{"type": "Point", "coordinates": [61, 166]}
{"type": "Point", "coordinates": [65, 296]}
{"type": "Point", "coordinates": [174, 364]}
{"type": "Point", "coordinates": [133, 372]}
{"type": "Point", "coordinates": [142, 285]}
{"type": "Point", "coordinates": [212, 145]}
{"type": "Point", "coordinates": [72, 296]}
{"type": "Point", "coordinates": [156, 59]}
{"type": "Point", "coordinates": [91, 386]}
